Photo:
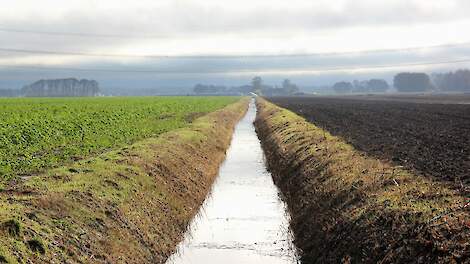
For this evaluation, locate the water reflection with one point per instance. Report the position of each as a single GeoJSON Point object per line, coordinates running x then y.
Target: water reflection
{"type": "Point", "coordinates": [243, 220]}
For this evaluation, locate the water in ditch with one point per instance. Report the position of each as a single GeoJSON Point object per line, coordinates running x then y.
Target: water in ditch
{"type": "Point", "coordinates": [243, 220]}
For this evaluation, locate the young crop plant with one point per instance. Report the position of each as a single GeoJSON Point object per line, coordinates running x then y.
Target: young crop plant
{"type": "Point", "coordinates": [40, 133]}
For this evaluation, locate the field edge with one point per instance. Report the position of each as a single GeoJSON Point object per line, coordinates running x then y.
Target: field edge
{"type": "Point", "coordinates": [350, 208]}
{"type": "Point", "coordinates": [131, 205]}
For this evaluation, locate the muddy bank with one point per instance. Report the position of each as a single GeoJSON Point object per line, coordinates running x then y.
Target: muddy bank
{"type": "Point", "coordinates": [127, 206]}
{"type": "Point", "coordinates": [351, 208]}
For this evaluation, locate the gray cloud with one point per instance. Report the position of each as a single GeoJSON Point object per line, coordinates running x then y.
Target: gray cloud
{"type": "Point", "coordinates": [187, 20]}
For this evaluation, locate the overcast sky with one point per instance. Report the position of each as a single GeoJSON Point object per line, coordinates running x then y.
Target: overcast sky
{"type": "Point", "coordinates": [343, 35]}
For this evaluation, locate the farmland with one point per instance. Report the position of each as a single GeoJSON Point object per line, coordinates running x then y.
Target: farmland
{"type": "Point", "coordinates": [131, 204]}
{"type": "Point", "coordinates": [347, 206]}
{"type": "Point", "coordinates": [36, 134]}
{"type": "Point", "coordinates": [430, 138]}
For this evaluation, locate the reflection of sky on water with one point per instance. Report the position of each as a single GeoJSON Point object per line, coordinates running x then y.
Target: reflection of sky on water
{"type": "Point", "coordinates": [243, 220]}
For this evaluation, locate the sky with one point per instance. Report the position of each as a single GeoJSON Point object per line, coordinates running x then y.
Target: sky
{"type": "Point", "coordinates": [177, 43]}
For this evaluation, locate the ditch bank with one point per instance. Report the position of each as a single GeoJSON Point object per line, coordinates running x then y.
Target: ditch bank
{"type": "Point", "coordinates": [348, 207]}
{"type": "Point", "coordinates": [131, 205]}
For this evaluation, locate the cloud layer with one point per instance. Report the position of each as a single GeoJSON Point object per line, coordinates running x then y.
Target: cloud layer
{"type": "Point", "coordinates": [228, 27]}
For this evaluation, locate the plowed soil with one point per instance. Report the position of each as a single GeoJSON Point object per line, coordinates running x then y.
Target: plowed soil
{"type": "Point", "coordinates": [430, 138]}
{"type": "Point", "coordinates": [349, 207]}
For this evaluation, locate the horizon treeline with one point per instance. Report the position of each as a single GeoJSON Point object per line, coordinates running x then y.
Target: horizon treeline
{"type": "Point", "coordinates": [257, 86]}
{"type": "Point", "coordinates": [70, 87]}
{"type": "Point", "coordinates": [453, 81]}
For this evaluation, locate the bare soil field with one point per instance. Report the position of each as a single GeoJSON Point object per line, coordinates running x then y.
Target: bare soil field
{"type": "Point", "coordinates": [430, 138]}
{"type": "Point", "coordinates": [349, 207]}
{"type": "Point", "coordinates": [414, 98]}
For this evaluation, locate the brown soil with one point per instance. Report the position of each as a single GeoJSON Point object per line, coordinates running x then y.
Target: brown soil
{"type": "Point", "coordinates": [126, 206]}
{"type": "Point", "coordinates": [456, 98]}
{"type": "Point", "coordinates": [431, 139]}
{"type": "Point", "coordinates": [352, 208]}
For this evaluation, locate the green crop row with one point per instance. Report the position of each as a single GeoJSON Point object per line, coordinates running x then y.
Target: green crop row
{"type": "Point", "coordinates": [41, 133]}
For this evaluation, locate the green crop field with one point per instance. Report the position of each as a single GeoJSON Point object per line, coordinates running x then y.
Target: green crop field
{"type": "Point", "coordinates": [41, 133]}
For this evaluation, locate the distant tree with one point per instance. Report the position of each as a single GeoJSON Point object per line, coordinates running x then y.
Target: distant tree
{"type": "Point", "coordinates": [343, 87]}
{"type": "Point", "coordinates": [209, 89]}
{"type": "Point", "coordinates": [243, 90]}
{"type": "Point", "coordinates": [286, 84]}
{"type": "Point", "coordinates": [61, 88]}
{"type": "Point", "coordinates": [199, 89]}
{"type": "Point", "coordinates": [370, 86]}
{"type": "Point", "coordinates": [359, 86]}
{"type": "Point", "coordinates": [458, 81]}
{"type": "Point", "coordinates": [412, 82]}
{"type": "Point", "coordinates": [257, 84]}
{"type": "Point", "coordinates": [377, 86]}
{"type": "Point", "coordinates": [289, 88]}
{"type": "Point", "coordinates": [9, 93]}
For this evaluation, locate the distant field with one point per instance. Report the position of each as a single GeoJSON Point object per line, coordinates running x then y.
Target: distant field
{"type": "Point", "coordinates": [40, 133]}
{"type": "Point", "coordinates": [411, 98]}
{"type": "Point", "coordinates": [431, 138]}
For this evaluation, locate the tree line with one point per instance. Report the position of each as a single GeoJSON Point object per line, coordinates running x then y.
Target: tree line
{"type": "Point", "coordinates": [55, 88]}
{"type": "Point", "coordinates": [454, 81]}
{"type": "Point", "coordinates": [9, 93]}
{"type": "Point", "coordinates": [257, 86]}
{"type": "Point", "coordinates": [61, 88]}
{"type": "Point", "coordinates": [367, 86]}
{"type": "Point", "coordinates": [458, 81]}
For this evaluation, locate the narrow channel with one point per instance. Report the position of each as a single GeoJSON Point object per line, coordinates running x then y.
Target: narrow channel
{"type": "Point", "coordinates": [243, 220]}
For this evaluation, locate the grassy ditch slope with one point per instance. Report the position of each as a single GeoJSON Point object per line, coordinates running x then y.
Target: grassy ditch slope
{"type": "Point", "coordinates": [351, 208]}
{"type": "Point", "coordinates": [129, 205]}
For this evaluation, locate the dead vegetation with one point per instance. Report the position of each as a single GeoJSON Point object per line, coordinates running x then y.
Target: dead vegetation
{"type": "Point", "coordinates": [351, 208]}
{"type": "Point", "coordinates": [126, 206]}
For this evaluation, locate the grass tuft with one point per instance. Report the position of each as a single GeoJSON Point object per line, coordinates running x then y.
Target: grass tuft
{"type": "Point", "coordinates": [12, 227]}
{"type": "Point", "coordinates": [36, 245]}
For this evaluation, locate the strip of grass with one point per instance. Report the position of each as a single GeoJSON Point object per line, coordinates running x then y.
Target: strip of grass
{"type": "Point", "coordinates": [40, 133]}
{"type": "Point", "coordinates": [348, 207]}
{"type": "Point", "coordinates": [130, 205]}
